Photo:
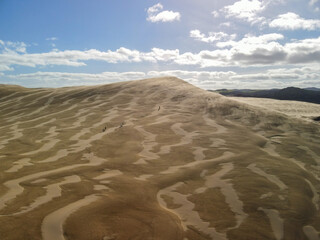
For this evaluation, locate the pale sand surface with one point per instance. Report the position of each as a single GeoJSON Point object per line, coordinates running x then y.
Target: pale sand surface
{"type": "Point", "coordinates": [52, 191]}
{"type": "Point", "coordinates": [52, 226]}
{"type": "Point", "coordinates": [315, 198]}
{"type": "Point", "coordinates": [232, 199]}
{"type": "Point", "coordinates": [186, 213]}
{"type": "Point", "coordinates": [20, 164]}
{"type": "Point", "coordinates": [296, 109]}
{"type": "Point", "coordinates": [276, 222]}
{"type": "Point", "coordinates": [311, 233]}
{"type": "Point", "coordinates": [105, 162]}
{"type": "Point", "coordinates": [270, 177]}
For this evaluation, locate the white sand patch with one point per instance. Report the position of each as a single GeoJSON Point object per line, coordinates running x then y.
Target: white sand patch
{"type": "Point", "coordinates": [271, 178]}
{"type": "Point", "coordinates": [199, 153]}
{"type": "Point", "coordinates": [187, 138]}
{"type": "Point", "coordinates": [52, 133]}
{"type": "Point", "coordinates": [315, 171]}
{"type": "Point", "coordinates": [16, 132]}
{"type": "Point", "coordinates": [174, 169]}
{"type": "Point", "coordinates": [270, 148]}
{"type": "Point", "coordinates": [186, 213]}
{"type": "Point", "coordinates": [105, 181]}
{"type": "Point", "coordinates": [148, 143]}
{"type": "Point", "coordinates": [15, 100]}
{"type": "Point", "coordinates": [311, 153]}
{"type": "Point", "coordinates": [162, 119]}
{"type": "Point", "coordinates": [315, 198]}
{"type": "Point", "coordinates": [266, 195]}
{"type": "Point", "coordinates": [60, 154]}
{"type": "Point", "coordinates": [52, 141]}
{"type": "Point", "coordinates": [298, 163]}
{"type": "Point", "coordinates": [66, 102]}
{"type": "Point", "coordinates": [218, 128]}
{"type": "Point", "coordinates": [311, 233]}
{"type": "Point", "coordinates": [108, 174]}
{"type": "Point", "coordinates": [302, 110]}
{"type": "Point", "coordinates": [217, 142]}
{"type": "Point", "coordinates": [15, 189]}
{"type": "Point", "coordinates": [36, 100]}
{"type": "Point", "coordinates": [276, 222]}
{"type": "Point", "coordinates": [53, 191]}
{"type": "Point", "coordinates": [82, 144]}
{"type": "Point", "coordinates": [40, 180]}
{"type": "Point", "coordinates": [107, 118]}
{"type": "Point", "coordinates": [80, 120]}
{"type": "Point", "coordinates": [99, 187]}
{"type": "Point", "coordinates": [19, 165]}
{"type": "Point", "coordinates": [38, 110]}
{"type": "Point", "coordinates": [45, 123]}
{"type": "Point", "coordinates": [52, 225]}
{"type": "Point", "coordinates": [232, 199]}
{"type": "Point", "coordinates": [8, 96]}
{"type": "Point", "coordinates": [144, 177]}
{"type": "Point", "coordinates": [51, 114]}
{"type": "Point", "coordinates": [203, 173]}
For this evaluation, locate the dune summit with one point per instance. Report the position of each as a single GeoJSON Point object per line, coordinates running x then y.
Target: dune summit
{"type": "Point", "coordinates": [153, 159]}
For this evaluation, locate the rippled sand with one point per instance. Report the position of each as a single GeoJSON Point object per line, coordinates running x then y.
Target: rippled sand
{"type": "Point", "coordinates": [154, 159]}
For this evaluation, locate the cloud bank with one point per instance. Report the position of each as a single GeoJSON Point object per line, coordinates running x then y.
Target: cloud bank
{"type": "Point", "coordinates": [263, 50]}
{"type": "Point", "coordinates": [280, 77]}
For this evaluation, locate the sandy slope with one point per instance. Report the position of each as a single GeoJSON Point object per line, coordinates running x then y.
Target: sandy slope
{"type": "Point", "coordinates": [296, 109]}
{"type": "Point", "coordinates": [105, 162]}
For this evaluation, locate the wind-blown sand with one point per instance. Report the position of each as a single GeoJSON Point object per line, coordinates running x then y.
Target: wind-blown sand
{"type": "Point", "coordinates": [295, 109]}
{"type": "Point", "coordinates": [154, 159]}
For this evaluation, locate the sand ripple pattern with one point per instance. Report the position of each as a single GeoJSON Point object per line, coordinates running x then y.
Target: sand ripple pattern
{"type": "Point", "coordinates": [155, 159]}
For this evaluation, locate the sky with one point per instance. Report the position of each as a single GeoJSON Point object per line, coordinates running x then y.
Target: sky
{"type": "Point", "coordinates": [213, 44]}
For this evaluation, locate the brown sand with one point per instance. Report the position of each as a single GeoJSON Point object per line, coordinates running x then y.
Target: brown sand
{"type": "Point", "coordinates": [201, 167]}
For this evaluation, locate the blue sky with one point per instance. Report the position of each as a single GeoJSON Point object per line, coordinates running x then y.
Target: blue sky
{"type": "Point", "coordinates": [212, 44]}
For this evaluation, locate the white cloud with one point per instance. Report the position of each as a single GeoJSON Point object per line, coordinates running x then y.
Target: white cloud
{"type": "Point", "coordinates": [292, 21]}
{"type": "Point", "coordinates": [312, 2]}
{"type": "Point", "coordinates": [303, 51]}
{"type": "Point", "coordinates": [264, 50]}
{"type": "Point", "coordinates": [165, 16]}
{"type": "Point", "coordinates": [215, 14]}
{"type": "Point", "coordinates": [247, 10]}
{"type": "Point", "coordinates": [65, 78]}
{"type": "Point", "coordinates": [225, 24]}
{"type": "Point", "coordinates": [4, 67]}
{"type": "Point", "coordinates": [76, 58]}
{"type": "Point", "coordinates": [212, 36]}
{"type": "Point", "coordinates": [250, 41]}
{"type": "Point", "coordinates": [280, 77]}
{"type": "Point", "coordinates": [9, 46]}
{"type": "Point", "coordinates": [155, 8]}
{"type": "Point", "coordinates": [52, 39]}
{"type": "Point", "coordinates": [163, 55]}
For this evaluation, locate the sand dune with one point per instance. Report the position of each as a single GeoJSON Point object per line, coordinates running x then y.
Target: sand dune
{"type": "Point", "coordinates": [154, 159]}
{"type": "Point", "coordinates": [296, 109]}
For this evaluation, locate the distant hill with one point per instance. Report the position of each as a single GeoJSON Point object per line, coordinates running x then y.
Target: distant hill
{"type": "Point", "coordinates": [312, 89]}
{"type": "Point", "coordinates": [311, 95]}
